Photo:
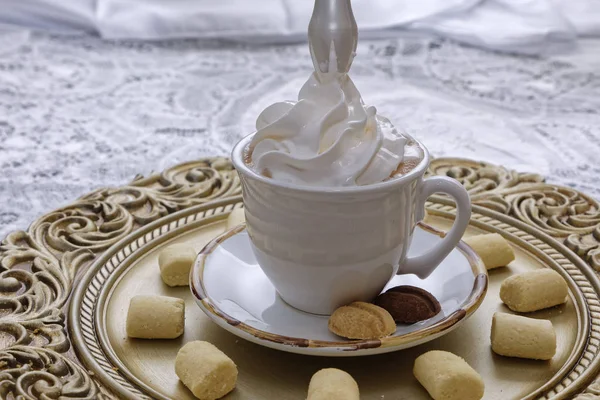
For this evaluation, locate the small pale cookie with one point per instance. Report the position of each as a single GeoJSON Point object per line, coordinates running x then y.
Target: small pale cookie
{"type": "Point", "coordinates": [236, 217]}
{"type": "Point", "coordinates": [361, 321]}
{"type": "Point", "coordinates": [332, 384]}
{"type": "Point", "coordinates": [205, 370]}
{"type": "Point", "coordinates": [493, 249]}
{"type": "Point", "coordinates": [447, 376]}
{"type": "Point", "coordinates": [534, 290]}
{"type": "Point", "coordinates": [517, 336]}
{"type": "Point", "coordinates": [175, 263]}
{"type": "Point", "coordinates": [155, 317]}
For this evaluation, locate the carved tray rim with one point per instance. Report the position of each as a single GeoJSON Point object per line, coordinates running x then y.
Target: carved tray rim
{"type": "Point", "coordinates": [120, 255]}
{"type": "Point", "coordinates": [40, 266]}
{"type": "Point", "coordinates": [80, 304]}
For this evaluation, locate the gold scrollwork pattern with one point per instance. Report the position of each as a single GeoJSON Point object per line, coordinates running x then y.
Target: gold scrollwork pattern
{"type": "Point", "coordinates": [32, 373]}
{"type": "Point", "coordinates": [561, 212]}
{"type": "Point", "coordinates": [38, 267]}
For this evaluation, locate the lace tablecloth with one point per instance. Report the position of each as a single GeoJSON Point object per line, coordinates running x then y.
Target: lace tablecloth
{"type": "Point", "coordinates": [78, 113]}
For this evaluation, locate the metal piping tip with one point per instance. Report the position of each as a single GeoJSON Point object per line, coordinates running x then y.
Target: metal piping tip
{"type": "Point", "coordinates": [332, 36]}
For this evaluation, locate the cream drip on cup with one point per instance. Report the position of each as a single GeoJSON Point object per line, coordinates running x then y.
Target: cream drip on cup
{"type": "Point", "coordinates": [329, 137]}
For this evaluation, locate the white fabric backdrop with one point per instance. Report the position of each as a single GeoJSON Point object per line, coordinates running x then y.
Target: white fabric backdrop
{"type": "Point", "coordinates": [526, 26]}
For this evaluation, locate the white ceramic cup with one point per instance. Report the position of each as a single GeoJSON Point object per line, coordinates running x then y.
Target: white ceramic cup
{"type": "Point", "coordinates": [327, 247]}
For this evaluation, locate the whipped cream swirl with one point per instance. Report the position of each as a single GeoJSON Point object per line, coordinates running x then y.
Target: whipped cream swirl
{"type": "Point", "coordinates": [327, 138]}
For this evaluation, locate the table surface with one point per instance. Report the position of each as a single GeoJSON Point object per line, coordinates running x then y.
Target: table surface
{"type": "Point", "coordinates": [77, 113]}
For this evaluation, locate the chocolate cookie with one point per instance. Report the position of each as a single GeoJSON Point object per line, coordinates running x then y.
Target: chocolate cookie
{"type": "Point", "coordinates": [408, 304]}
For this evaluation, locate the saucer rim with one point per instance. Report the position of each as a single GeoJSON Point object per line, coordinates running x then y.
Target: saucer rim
{"type": "Point", "coordinates": [309, 346]}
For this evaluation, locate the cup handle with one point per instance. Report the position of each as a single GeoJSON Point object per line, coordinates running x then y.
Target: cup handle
{"type": "Point", "coordinates": [424, 264]}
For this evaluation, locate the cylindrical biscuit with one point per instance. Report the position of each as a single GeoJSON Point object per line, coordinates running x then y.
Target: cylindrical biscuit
{"type": "Point", "coordinates": [235, 218]}
{"type": "Point", "coordinates": [534, 290]}
{"type": "Point", "coordinates": [332, 384]}
{"type": "Point", "coordinates": [447, 376]}
{"type": "Point", "coordinates": [155, 317]}
{"type": "Point", "coordinates": [175, 263]}
{"type": "Point", "coordinates": [205, 370]}
{"type": "Point", "coordinates": [492, 248]}
{"type": "Point", "coordinates": [517, 336]}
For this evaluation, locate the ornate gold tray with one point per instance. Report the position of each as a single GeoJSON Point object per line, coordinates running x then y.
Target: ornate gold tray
{"type": "Point", "coordinates": [78, 267]}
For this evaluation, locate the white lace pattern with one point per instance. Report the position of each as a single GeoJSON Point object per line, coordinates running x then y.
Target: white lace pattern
{"type": "Point", "coordinates": [77, 113]}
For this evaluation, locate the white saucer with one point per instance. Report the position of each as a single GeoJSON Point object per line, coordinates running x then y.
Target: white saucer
{"type": "Point", "coordinates": [232, 290]}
